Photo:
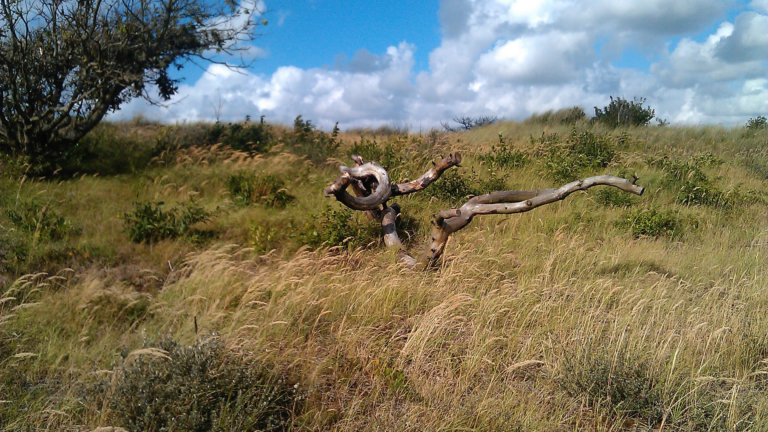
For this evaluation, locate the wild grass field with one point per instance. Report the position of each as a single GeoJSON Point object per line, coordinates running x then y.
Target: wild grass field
{"type": "Point", "coordinates": [194, 278]}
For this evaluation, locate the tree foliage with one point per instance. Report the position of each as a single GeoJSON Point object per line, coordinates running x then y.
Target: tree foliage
{"type": "Point", "coordinates": [468, 123]}
{"type": "Point", "coordinates": [622, 112]}
{"type": "Point", "coordinates": [65, 64]}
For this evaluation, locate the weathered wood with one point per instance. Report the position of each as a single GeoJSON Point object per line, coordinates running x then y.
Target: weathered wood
{"type": "Point", "coordinates": [434, 173]}
{"type": "Point", "coordinates": [509, 202]}
{"type": "Point", "coordinates": [374, 200]}
{"type": "Point", "coordinates": [371, 184]}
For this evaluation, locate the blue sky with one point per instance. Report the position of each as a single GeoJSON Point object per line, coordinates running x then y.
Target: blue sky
{"type": "Point", "coordinates": [419, 63]}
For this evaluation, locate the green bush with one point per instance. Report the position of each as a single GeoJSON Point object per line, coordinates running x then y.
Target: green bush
{"type": "Point", "coordinates": [612, 197]}
{"type": "Point", "coordinates": [387, 156]}
{"type": "Point", "coordinates": [248, 188]}
{"type": "Point", "coordinates": [148, 222]}
{"type": "Point", "coordinates": [582, 150]}
{"type": "Point", "coordinates": [202, 387]}
{"type": "Point", "coordinates": [42, 221]}
{"type": "Point", "coordinates": [13, 251]}
{"type": "Point", "coordinates": [116, 148]}
{"type": "Point", "coordinates": [757, 123]}
{"type": "Point", "coordinates": [692, 185]}
{"type": "Point", "coordinates": [617, 381]}
{"type": "Point", "coordinates": [504, 156]}
{"type": "Point", "coordinates": [306, 140]}
{"type": "Point", "coordinates": [343, 227]}
{"type": "Point", "coordinates": [455, 188]}
{"type": "Point", "coordinates": [650, 222]}
{"type": "Point", "coordinates": [622, 113]}
{"type": "Point", "coordinates": [264, 238]}
{"type": "Point", "coordinates": [246, 136]}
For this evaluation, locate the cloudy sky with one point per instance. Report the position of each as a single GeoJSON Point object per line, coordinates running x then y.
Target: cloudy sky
{"type": "Point", "coordinates": [417, 63]}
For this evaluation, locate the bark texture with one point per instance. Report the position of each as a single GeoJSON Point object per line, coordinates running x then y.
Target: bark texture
{"type": "Point", "coordinates": [371, 185]}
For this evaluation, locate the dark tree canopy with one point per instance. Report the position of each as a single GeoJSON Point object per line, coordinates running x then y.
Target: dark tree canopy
{"type": "Point", "coordinates": [65, 64]}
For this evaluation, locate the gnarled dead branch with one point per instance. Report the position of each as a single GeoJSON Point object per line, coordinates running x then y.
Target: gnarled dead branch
{"type": "Point", "coordinates": [371, 185]}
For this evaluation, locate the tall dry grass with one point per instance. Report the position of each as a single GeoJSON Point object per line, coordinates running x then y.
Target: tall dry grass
{"type": "Point", "coordinates": [557, 319]}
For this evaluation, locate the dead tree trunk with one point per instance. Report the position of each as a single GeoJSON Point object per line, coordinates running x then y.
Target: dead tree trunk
{"type": "Point", "coordinates": [372, 187]}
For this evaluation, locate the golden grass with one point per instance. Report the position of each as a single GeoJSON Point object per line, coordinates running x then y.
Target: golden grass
{"type": "Point", "coordinates": [487, 340]}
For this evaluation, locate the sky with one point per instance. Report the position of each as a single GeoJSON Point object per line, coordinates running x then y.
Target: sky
{"type": "Point", "coordinates": [417, 63]}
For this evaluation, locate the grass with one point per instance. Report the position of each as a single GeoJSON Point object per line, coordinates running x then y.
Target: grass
{"type": "Point", "coordinates": [563, 318]}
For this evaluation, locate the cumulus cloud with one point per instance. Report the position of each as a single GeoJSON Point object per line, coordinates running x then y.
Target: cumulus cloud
{"type": "Point", "coordinates": [512, 58]}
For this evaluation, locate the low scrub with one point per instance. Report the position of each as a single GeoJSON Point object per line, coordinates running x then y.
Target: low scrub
{"type": "Point", "coordinates": [149, 223]}
{"type": "Point", "coordinates": [567, 116]}
{"type": "Point", "coordinates": [611, 197]}
{"type": "Point", "coordinates": [343, 227]}
{"type": "Point", "coordinates": [619, 382]}
{"type": "Point", "coordinates": [245, 136]}
{"type": "Point", "coordinates": [203, 387]}
{"type": "Point", "coordinates": [41, 221]}
{"type": "Point", "coordinates": [248, 188]}
{"type": "Point", "coordinates": [693, 186]}
{"type": "Point", "coordinates": [566, 161]}
{"type": "Point", "coordinates": [454, 188]}
{"type": "Point", "coordinates": [307, 140]}
{"type": "Point", "coordinates": [651, 222]}
{"type": "Point", "coordinates": [505, 155]}
{"type": "Point", "coordinates": [387, 155]}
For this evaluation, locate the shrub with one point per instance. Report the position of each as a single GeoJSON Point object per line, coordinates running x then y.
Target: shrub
{"type": "Point", "coordinates": [570, 115]}
{"type": "Point", "coordinates": [650, 222]}
{"type": "Point", "coordinates": [692, 185]}
{"type": "Point", "coordinates": [622, 113]}
{"type": "Point", "coordinates": [611, 197]}
{"type": "Point", "coordinates": [504, 156]}
{"type": "Point", "coordinates": [13, 251]}
{"type": "Point", "coordinates": [264, 239]}
{"type": "Point", "coordinates": [469, 123]}
{"type": "Point", "coordinates": [246, 136]}
{"type": "Point", "coordinates": [248, 188]}
{"type": "Point", "coordinates": [342, 227]}
{"type": "Point", "coordinates": [757, 123]}
{"type": "Point", "coordinates": [566, 162]}
{"type": "Point", "coordinates": [42, 221]}
{"type": "Point", "coordinates": [110, 149]}
{"type": "Point", "coordinates": [454, 188]}
{"type": "Point", "coordinates": [618, 381]}
{"type": "Point", "coordinates": [150, 223]}
{"type": "Point", "coordinates": [387, 156]}
{"type": "Point", "coordinates": [202, 387]}
{"type": "Point", "coordinates": [306, 140]}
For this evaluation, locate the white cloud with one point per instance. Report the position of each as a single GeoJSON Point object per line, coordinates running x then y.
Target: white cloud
{"type": "Point", "coordinates": [512, 58]}
{"type": "Point", "coordinates": [552, 58]}
{"type": "Point", "coordinates": [759, 5]}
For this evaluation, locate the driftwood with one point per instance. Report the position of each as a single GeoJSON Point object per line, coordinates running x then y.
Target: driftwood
{"type": "Point", "coordinates": [371, 185]}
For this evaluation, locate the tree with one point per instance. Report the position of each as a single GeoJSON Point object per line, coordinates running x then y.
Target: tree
{"type": "Point", "coordinates": [468, 123]}
{"type": "Point", "coordinates": [372, 187]}
{"type": "Point", "coordinates": [622, 113]}
{"type": "Point", "coordinates": [65, 64]}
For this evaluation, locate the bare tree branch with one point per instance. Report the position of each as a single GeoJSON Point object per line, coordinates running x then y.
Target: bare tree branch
{"type": "Point", "coordinates": [371, 185]}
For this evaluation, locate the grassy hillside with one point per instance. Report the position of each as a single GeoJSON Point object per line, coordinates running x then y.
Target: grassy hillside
{"type": "Point", "coordinates": [194, 278]}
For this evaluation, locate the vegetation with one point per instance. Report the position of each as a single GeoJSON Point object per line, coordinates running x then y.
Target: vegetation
{"type": "Point", "coordinates": [202, 387]}
{"type": "Point", "coordinates": [468, 123]}
{"type": "Point", "coordinates": [623, 113]}
{"type": "Point", "coordinates": [148, 222]}
{"type": "Point", "coordinates": [249, 188]}
{"type": "Point", "coordinates": [582, 150]}
{"type": "Point", "coordinates": [66, 65]}
{"type": "Point", "coordinates": [597, 313]}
